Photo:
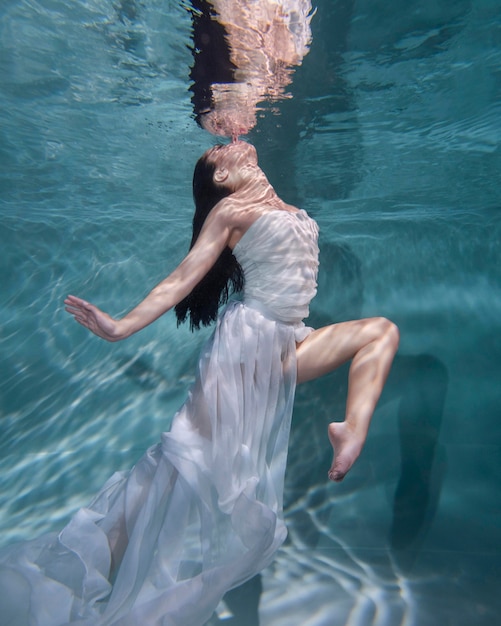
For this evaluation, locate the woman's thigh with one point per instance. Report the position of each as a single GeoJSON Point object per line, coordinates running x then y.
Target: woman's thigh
{"type": "Point", "coordinates": [329, 347]}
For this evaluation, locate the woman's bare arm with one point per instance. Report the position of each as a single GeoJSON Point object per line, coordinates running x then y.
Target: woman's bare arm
{"type": "Point", "coordinates": [213, 238]}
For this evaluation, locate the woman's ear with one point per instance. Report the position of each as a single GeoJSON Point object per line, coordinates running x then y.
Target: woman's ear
{"type": "Point", "coordinates": [220, 175]}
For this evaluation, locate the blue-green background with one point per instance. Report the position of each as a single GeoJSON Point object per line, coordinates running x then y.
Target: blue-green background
{"type": "Point", "coordinates": [392, 142]}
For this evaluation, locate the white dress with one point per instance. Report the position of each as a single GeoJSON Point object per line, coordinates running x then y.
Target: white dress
{"type": "Point", "coordinates": [201, 512]}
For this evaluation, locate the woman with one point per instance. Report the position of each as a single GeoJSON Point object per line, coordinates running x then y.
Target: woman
{"type": "Point", "coordinates": [201, 512]}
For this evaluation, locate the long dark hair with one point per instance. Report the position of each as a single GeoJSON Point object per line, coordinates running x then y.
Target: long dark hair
{"type": "Point", "coordinates": [226, 276]}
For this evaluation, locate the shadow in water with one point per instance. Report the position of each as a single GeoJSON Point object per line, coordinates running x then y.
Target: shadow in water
{"type": "Point", "coordinates": [423, 382]}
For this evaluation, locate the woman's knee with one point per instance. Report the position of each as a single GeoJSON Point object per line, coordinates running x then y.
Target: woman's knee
{"type": "Point", "coordinates": [390, 333]}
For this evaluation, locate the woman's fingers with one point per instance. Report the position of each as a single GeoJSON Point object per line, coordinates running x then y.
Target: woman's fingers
{"type": "Point", "coordinates": [76, 306]}
{"type": "Point", "coordinates": [90, 316]}
{"type": "Point", "coordinates": [77, 303]}
{"type": "Point", "coordinates": [82, 311]}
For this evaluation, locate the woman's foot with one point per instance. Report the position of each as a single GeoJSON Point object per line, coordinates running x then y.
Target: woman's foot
{"type": "Point", "coordinates": [347, 446]}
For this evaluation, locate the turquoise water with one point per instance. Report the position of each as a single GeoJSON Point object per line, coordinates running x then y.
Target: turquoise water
{"type": "Point", "coordinates": [392, 142]}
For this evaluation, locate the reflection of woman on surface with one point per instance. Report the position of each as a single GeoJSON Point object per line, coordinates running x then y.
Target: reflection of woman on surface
{"type": "Point", "coordinates": [202, 512]}
{"type": "Point", "coordinates": [244, 54]}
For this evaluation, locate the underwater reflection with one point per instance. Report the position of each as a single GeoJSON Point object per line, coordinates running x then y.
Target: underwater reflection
{"type": "Point", "coordinates": [244, 53]}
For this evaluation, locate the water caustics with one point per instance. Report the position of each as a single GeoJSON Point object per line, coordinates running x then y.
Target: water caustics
{"type": "Point", "coordinates": [393, 141]}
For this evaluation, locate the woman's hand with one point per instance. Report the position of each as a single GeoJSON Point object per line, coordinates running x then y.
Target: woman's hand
{"type": "Point", "coordinates": [98, 322]}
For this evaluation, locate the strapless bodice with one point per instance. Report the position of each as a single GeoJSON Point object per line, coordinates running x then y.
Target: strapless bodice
{"type": "Point", "coordinates": [279, 258]}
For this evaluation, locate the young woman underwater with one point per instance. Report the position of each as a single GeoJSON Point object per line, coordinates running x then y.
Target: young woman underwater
{"type": "Point", "coordinates": [201, 512]}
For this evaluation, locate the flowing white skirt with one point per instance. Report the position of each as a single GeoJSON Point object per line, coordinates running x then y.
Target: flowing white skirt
{"type": "Point", "coordinates": [200, 513]}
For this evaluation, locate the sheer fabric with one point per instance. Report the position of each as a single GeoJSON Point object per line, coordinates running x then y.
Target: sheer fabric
{"type": "Point", "coordinates": [201, 511]}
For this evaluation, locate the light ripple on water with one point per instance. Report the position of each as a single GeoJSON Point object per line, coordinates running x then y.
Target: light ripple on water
{"type": "Point", "coordinates": [400, 166]}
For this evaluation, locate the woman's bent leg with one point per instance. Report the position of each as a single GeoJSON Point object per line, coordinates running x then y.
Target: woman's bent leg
{"type": "Point", "coordinates": [371, 344]}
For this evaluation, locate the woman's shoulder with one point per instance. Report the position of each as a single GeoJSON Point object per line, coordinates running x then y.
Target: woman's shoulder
{"type": "Point", "coordinates": [234, 213]}
{"type": "Point", "coordinates": [238, 215]}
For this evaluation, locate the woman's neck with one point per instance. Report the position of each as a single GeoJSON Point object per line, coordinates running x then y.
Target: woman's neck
{"type": "Point", "coordinates": [257, 191]}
